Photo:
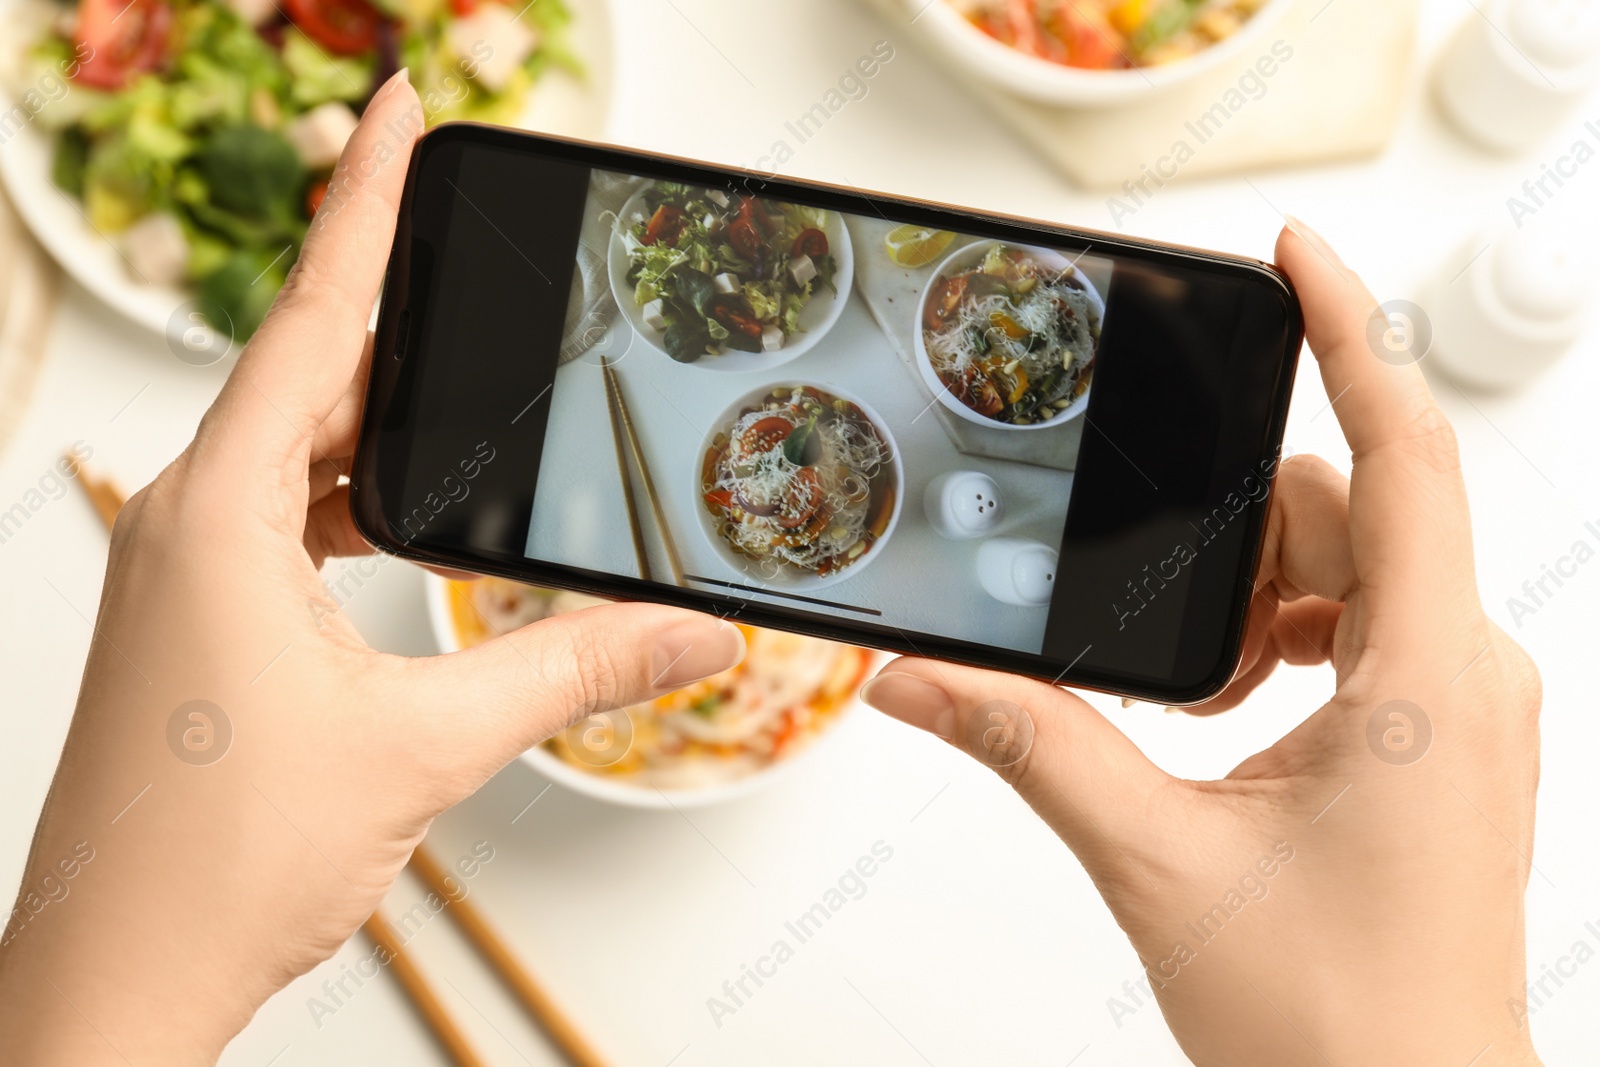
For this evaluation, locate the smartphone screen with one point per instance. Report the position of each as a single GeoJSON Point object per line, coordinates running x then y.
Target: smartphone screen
{"type": "Point", "coordinates": [924, 429]}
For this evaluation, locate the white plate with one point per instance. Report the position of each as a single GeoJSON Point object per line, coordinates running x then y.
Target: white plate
{"type": "Point", "coordinates": [788, 582]}
{"type": "Point", "coordinates": [616, 790]}
{"type": "Point", "coordinates": [971, 256]}
{"type": "Point", "coordinates": [558, 104]}
{"type": "Point", "coordinates": [816, 318]}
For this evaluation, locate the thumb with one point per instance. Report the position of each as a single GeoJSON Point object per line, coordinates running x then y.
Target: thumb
{"type": "Point", "coordinates": [1079, 772]}
{"type": "Point", "coordinates": [511, 693]}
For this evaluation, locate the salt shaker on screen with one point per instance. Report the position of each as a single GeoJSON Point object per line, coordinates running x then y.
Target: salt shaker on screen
{"type": "Point", "coordinates": [1017, 571]}
{"type": "Point", "coordinates": [962, 505]}
{"type": "Point", "coordinates": [1515, 68]}
{"type": "Point", "coordinates": [1510, 313]}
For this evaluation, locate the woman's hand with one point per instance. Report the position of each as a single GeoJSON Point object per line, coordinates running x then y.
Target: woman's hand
{"type": "Point", "coordinates": [212, 884]}
{"type": "Point", "coordinates": [1353, 894]}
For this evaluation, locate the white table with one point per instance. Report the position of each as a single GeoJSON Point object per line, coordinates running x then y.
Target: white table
{"type": "Point", "coordinates": [981, 940]}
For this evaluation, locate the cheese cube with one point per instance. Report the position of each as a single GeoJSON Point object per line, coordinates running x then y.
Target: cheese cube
{"type": "Point", "coordinates": [802, 269]}
{"type": "Point", "coordinates": [156, 247]}
{"type": "Point", "coordinates": [771, 338]}
{"type": "Point", "coordinates": [726, 282]}
{"type": "Point", "coordinates": [655, 316]}
{"type": "Point", "coordinates": [253, 12]}
{"type": "Point", "coordinates": [319, 135]}
{"type": "Point", "coordinates": [491, 43]}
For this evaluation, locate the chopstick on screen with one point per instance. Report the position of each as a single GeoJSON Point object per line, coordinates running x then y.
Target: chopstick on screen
{"type": "Point", "coordinates": [615, 386]}
{"type": "Point", "coordinates": [627, 480]}
{"type": "Point", "coordinates": [497, 955]}
{"type": "Point", "coordinates": [422, 996]}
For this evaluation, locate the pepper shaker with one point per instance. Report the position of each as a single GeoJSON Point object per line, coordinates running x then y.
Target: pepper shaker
{"type": "Point", "coordinates": [1017, 571]}
{"type": "Point", "coordinates": [962, 505]}
{"type": "Point", "coordinates": [1513, 71]}
{"type": "Point", "coordinates": [1511, 313]}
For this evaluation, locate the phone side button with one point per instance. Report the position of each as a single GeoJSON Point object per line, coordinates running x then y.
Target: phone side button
{"type": "Point", "coordinates": [402, 334]}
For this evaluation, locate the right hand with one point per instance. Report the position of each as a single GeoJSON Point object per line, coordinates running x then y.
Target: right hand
{"type": "Point", "coordinates": [1361, 881]}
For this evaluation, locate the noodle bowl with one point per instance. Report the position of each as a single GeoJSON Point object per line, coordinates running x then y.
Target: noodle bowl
{"type": "Point", "coordinates": [799, 485]}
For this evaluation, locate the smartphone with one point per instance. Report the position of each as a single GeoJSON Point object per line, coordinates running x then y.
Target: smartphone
{"type": "Point", "coordinates": [923, 428]}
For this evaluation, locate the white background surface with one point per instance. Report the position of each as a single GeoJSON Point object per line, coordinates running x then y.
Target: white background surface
{"type": "Point", "coordinates": [981, 941]}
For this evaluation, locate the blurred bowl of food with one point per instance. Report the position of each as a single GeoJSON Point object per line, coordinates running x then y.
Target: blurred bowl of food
{"type": "Point", "coordinates": [716, 740]}
{"type": "Point", "coordinates": [1092, 52]}
{"type": "Point", "coordinates": [170, 154]}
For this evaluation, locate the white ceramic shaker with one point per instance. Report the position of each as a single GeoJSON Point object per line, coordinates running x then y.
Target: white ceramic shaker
{"type": "Point", "coordinates": [1515, 309]}
{"type": "Point", "coordinates": [1017, 571]}
{"type": "Point", "coordinates": [962, 505]}
{"type": "Point", "coordinates": [1514, 69]}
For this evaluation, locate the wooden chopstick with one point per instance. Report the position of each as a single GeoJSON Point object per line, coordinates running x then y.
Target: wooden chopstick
{"type": "Point", "coordinates": [522, 985]}
{"type": "Point", "coordinates": [422, 996]}
{"type": "Point", "coordinates": [102, 494]}
{"type": "Point", "coordinates": [644, 474]}
{"type": "Point", "coordinates": [627, 480]}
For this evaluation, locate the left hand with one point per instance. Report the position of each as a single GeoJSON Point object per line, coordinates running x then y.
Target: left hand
{"type": "Point", "coordinates": [212, 884]}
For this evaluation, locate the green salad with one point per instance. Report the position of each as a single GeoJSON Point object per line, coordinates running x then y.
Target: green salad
{"type": "Point", "coordinates": [715, 273]}
{"type": "Point", "coordinates": [200, 135]}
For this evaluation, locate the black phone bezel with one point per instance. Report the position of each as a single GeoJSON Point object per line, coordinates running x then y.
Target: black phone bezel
{"type": "Point", "coordinates": [388, 376]}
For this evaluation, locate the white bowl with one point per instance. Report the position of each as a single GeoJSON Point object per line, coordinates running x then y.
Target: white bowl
{"type": "Point", "coordinates": [1054, 83]}
{"type": "Point", "coordinates": [970, 256]}
{"type": "Point", "coordinates": [619, 790]}
{"type": "Point", "coordinates": [790, 583]}
{"type": "Point", "coordinates": [816, 318]}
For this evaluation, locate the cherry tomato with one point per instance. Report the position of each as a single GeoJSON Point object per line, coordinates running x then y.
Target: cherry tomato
{"type": "Point", "coordinates": [946, 295]}
{"type": "Point", "coordinates": [664, 226]}
{"type": "Point", "coordinates": [744, 238]}
{"type": "Point", "coordinates": [316, 193]}
{"type": "Point", "coordinates": [122, 40]}
{"type": "Point", "coordinates": [737, 319]}
{"type": "Point", "coordinates": [348, 27]}
{"type": "Point", "coordinates": [1092, 42]}
{"type": "Point", "coordinates": [810, 242]}
{"type": "Point", "coordinates": [755, 212]}
{"type": "Point", "coordinates": [764, 435]}
{"type": "Point", "coordinates": [804, 500]}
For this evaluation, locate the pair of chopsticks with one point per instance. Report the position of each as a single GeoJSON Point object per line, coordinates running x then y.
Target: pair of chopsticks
{"type": "Point", "coordinates": [622, 429]}
{"type": "Point", "coordinates": [522, 985]}
{"type": "Point", "coordinates": [108, 501]}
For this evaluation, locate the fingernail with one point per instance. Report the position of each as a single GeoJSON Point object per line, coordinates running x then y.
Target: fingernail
{"type": "Point", "coordinates": [1128, 702]}
{"type": "Point", "coordinates": [1172, 710]}
{"type": "Point", "coordinates": [914, 701]}
{"type": "Point", "coordinates": [690, 651]}
{"type": "Point", "coordinates": [1311, 237]}
{"type": "Point", "coordinates": [401, 75]}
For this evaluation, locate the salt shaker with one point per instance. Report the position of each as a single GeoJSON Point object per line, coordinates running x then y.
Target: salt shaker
{"type": "Point", "coordinates": [962, 505]}
{"type": "Point", "coordinates": [1508, 315]}
{"type": "Point", "coordinates": [1509, 78]}
{"type": "Point", "coordinates": [1017, 571]}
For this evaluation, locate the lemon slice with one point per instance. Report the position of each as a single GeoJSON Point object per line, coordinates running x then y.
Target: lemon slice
{"type": "Point", "coordinates": [916, 246]}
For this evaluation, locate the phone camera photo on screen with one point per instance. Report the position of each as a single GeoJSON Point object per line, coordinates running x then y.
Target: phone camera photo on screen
{"type": "Point", "coordinates": [921, 428]}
